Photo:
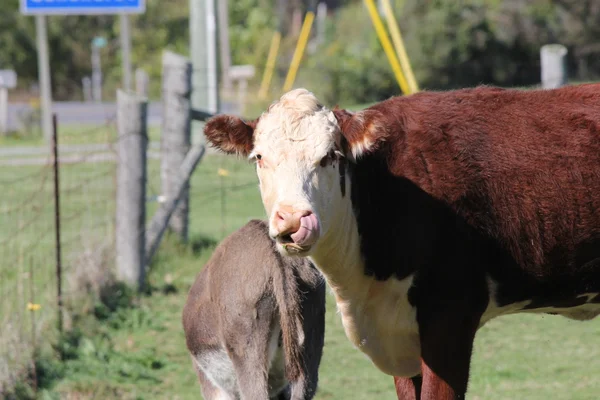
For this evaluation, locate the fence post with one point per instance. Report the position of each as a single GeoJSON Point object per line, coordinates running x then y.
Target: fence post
{"type": "Point", "coordinates": [141, 82]}
{"type": "Point", "coordinates": [553, 61]}
{"type": "Point", "coordinates": [175, 139]}
{"type": "Point", "coordinates": [131, 188]}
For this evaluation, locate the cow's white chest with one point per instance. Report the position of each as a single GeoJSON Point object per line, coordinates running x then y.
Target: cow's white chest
{"type": "Point", "coordinates": [380, 321]}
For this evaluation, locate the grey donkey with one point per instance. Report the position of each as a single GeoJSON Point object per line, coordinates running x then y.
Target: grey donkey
{"type": "Point", "coordinates": [254, 321]}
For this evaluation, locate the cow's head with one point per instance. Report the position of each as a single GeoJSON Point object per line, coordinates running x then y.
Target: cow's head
{"type": "Point", "coordinates": [301, 149]}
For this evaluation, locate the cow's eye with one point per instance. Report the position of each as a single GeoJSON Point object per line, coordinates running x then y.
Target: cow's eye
{"type": "Point", "coordinates": [323, 162]}
{"type": "Point", "coordinates": [258, 160]}
{"type": "Point", "coordinates": [329, 158]}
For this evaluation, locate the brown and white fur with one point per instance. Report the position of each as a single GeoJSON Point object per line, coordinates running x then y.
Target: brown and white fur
{"type": "Point", "coordinates": [430, 214]}
{"type": "Point", "coordinates": [254, 321]}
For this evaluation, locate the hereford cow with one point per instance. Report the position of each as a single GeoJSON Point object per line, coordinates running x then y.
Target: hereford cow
{"type": "Point", "coordinates": [433, 213]}
{"type": "Point", "coordinates": [254, 321]}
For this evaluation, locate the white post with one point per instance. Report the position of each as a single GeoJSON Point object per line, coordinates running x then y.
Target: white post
{"type": "Point", "coordinates": [553, 60]}
{"type": "Point", "coordinates": [211, 50]}
{"type": "Point", "coordinates": [44, 76]}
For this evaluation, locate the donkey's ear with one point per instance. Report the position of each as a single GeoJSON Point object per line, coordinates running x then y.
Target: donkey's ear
{"type": "Point", "coordinates": [230, 134]}
{"type": "Point", "coordinates": [364, 131]}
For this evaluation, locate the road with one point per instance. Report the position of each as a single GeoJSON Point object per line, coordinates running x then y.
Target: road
{"type": "Point", "coordinates": [79, 113]}
{"type": "Point", "coordinates": [70, 112]}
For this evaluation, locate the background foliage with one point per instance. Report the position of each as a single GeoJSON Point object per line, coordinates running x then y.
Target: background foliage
{"type": "Point", "coordinates": [451, 44]}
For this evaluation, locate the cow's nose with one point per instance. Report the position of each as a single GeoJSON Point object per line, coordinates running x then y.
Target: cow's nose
{"type": "Point", "coordinates": [288, 221]}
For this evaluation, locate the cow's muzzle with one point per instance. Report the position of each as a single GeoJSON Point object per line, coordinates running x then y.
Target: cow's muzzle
{"type": "Point", "coordinates": [296, 231]}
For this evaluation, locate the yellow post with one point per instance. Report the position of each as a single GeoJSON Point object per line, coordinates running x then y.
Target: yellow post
{"type": "Point", "coordinates": [387, 46]}
{"type": "Point", "coordinates": [304, 32]}
{"type": "Point", "coordinates": [399, 44]}
{"type": "Point", "coordinates": [268, 74]}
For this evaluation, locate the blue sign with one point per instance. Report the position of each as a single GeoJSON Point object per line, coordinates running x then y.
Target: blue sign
{"type": "Point", "coordinates": [99, 42]}
{"type": "Point", "coordinates": [82, 7]}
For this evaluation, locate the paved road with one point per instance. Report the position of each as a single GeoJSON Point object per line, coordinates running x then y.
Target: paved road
{"type": "Point", "coordinates": [79, 113]}
{"type": "Point", "coordinates": [70, 112]}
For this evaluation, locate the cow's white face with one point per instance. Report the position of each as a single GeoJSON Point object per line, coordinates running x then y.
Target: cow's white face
{"type": "Point", "coordinates": [296, 149]}
{"type": "Point", "coordinates": [296, 145]}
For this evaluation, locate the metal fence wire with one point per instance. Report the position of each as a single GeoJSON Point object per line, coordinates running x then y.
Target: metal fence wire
{"type": "Point", "coordinates": [29, 278]}
{"type": "Point", "coordinates": [62, 230]}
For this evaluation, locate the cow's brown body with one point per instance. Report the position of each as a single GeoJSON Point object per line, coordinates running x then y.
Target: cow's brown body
{"type": "Point", "coordinates": [463, 206]}
{"type": "Point", "coordinates": [484, 190]}
{"type": "Point", "coordinates": [254, 321]}
{"type": "Point", "coordinates": [522, 167]}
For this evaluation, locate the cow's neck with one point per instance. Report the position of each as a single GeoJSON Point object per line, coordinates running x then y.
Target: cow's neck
{"type": "Point", "coordinates": [339, 257]}
{"type": "Point", "coordinates": [376, 314]}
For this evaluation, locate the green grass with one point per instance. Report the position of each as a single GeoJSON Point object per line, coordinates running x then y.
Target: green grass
{"type": "Point", "coordinates": [27, 246]}
{"type": "Point", "coordinates": [71, 134]}
{"type": "Point", "coordinates": [139, 353]}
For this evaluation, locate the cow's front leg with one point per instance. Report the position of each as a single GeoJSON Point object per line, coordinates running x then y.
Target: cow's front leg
{"type": "Point", "coordinates": [446, 347]}
{"type": "Point", "coordinates": [408, 388]}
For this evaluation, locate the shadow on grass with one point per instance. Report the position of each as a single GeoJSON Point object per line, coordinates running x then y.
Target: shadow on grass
{"type": "Point", "coordinates": [201, 243]}
{"type": "Point", "coordinates": [172, 247]}
{"type": "Point", "coordinates": [170, 256]}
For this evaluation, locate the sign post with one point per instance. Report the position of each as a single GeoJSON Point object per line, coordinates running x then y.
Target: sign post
{"type": "Point", "coordinates": [125, 36]}
{"type": "Point", "coordinates": [44, 76]}
{"type": "Point", "coordinates": [98, 43]}
{"type": "Point", "coordinates": [42, 8]}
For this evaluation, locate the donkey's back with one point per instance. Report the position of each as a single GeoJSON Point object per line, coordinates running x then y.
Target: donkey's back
{"type": "Point", "coordinates": [254, 321]}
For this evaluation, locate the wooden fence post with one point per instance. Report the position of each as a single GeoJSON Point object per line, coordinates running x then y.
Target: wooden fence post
{"type": "Point", "coordinates": [175, 139]}
{"type": "Point", "coordinates": [131, 188]}
{"type": "Point", "coordinates": [553, 61]}
{"type": "Point", "coordinates": [160, 219]}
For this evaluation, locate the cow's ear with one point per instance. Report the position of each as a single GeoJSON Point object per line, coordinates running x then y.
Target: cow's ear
{"type": "Point", "coordinates": [230, 134]}
{"type": "Point", "coordinates": [364, 131]}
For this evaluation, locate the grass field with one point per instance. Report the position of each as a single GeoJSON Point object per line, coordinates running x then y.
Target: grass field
{"type": "Point", "coordinates": [139, 353]}
{"type": "Point", "coordinates": [75, 134]}
{"type": "Point", "coordinates": [27, 246]}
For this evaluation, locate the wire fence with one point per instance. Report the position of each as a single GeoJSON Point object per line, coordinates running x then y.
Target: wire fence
{"type": "Point", "coordinates": [30, 310]}
{"type": "Point", "coordinates": [28, 279]}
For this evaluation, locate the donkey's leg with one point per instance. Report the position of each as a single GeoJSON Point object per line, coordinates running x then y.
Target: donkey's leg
{"type": "Point", "coordinates": [208, 389]}
{"type": "Point", "coordinates": [249, 348]}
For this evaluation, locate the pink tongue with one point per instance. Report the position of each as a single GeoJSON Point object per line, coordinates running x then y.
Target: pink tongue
{"type": "Point", "coordinates": [308, 232]}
